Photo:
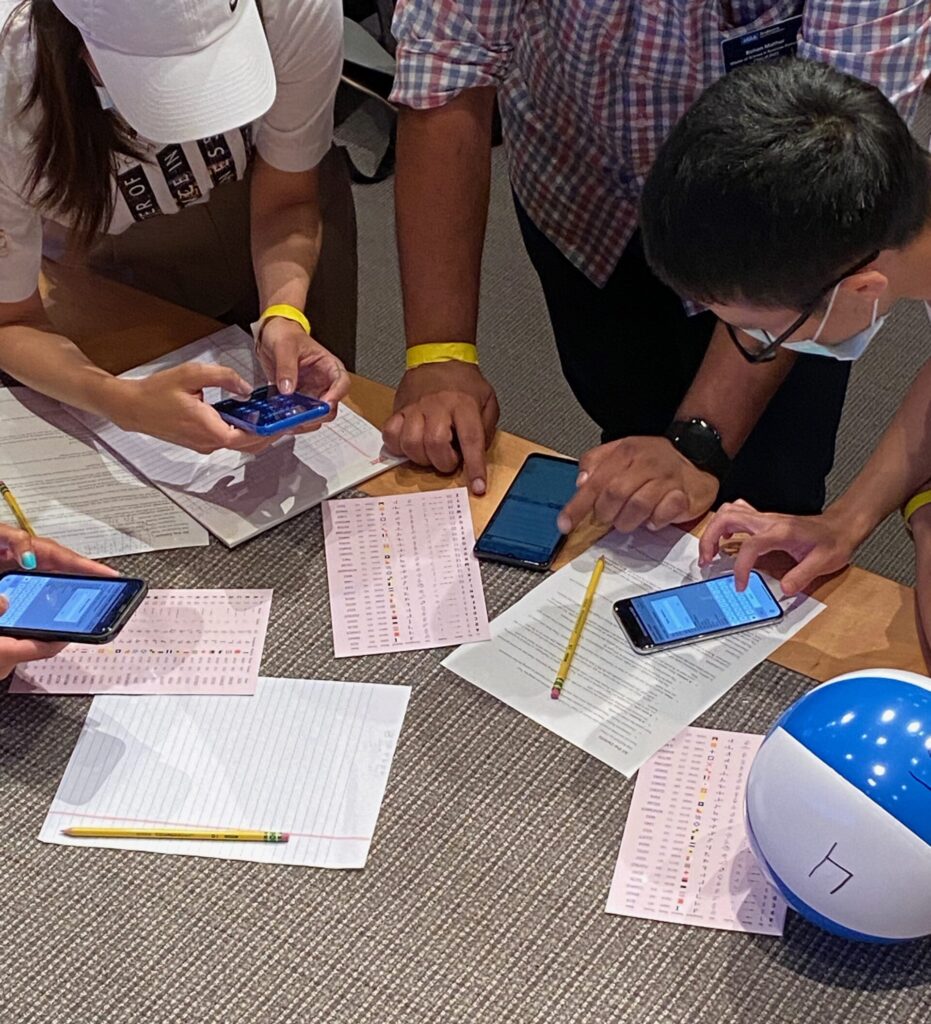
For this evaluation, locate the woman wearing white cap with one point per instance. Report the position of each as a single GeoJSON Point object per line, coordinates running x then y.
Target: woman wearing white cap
{"type": "Point", "coordinates": [113, 112]}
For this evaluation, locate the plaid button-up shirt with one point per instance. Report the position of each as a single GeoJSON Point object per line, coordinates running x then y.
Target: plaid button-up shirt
{"type": "Point", "coordinates": [588, 89]}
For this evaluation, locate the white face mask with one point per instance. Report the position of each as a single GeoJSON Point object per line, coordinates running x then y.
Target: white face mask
{"type": "Point", "coordinates": [846, 351]}
{"type": "Point", "coordinates": [104, 98]}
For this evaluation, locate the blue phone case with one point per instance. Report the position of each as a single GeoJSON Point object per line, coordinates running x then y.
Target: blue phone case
{"type": "Point", "coordinates": [266, 411]}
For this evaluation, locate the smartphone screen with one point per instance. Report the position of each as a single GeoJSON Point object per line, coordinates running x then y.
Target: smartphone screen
{"type": "Point", "coordinates": [266, 410]}
{"type": "Point", "coordinates": [523, 529]}
{"type": "Point", "coordinates": [697, 609]}
{"type": "Point", "coordinates": [60, 606]}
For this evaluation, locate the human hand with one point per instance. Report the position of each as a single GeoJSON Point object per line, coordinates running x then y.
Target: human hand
{"type": "Point", "coordinates": [15, 548]}
{"type": "Point", "coordinates": [820, 544]}
{"type": "Point", "coordinates": [14, 652]}
{"type": "Point", "coordinates": [440, 411]}
{"type": "Point", "coordinates": [294, 361]}
{"type": "Point", "coordinates": [170, 405]}
{"type": "Point", "coordinates": [638, 481]}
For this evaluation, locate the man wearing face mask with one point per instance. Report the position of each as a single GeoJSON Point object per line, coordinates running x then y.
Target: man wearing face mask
{"type": "Point", "coordinates": [793, 201]}
{"type": "Point", "coordinates": [587, 94]}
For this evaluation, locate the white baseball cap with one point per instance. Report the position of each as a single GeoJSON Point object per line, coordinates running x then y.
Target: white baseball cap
{"type": "Point", "coordinates": [178, 70]}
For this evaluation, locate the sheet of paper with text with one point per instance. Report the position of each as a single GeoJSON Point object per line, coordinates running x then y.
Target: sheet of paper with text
{"type": "Point", "coordinates": [619, 706]}
{"type": "Point", "coordinates": [75, 491]}
{"type": "Point", "coordinates": [178, 641]}
{"type": "Point", "coordinates": [685, 856]}
{"type": "Point", "coordinates": [236, 495]}
{"type": "Point", "coordinates": [401, 573]}
{"type": "Point", "coordinates": [303, 756]}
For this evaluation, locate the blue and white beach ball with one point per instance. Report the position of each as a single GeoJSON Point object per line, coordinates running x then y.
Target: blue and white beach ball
{"type": "Point", "coordinates": [839, 805]}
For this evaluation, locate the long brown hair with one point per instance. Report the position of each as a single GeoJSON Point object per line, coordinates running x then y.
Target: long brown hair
{"type": "Point", "coordinates": [76, 142]}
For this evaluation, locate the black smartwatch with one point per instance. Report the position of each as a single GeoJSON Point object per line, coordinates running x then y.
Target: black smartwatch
{"type": "Point", "coordinates": [700, 443]}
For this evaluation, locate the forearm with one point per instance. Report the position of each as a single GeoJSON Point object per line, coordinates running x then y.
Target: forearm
{"type": "Point", "coordinates": [731, 393]}
{"type": "Point", "coordinates": [46, 361]}
{"type": "Point", "coordinates": [286, 234]}
{"type": "Point", "coordinates": [900, 464]}
{"type": "Point", "coordinates": [441, 201]}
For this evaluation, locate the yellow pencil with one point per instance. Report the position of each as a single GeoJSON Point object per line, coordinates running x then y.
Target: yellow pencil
{"type": "Point", "coordinates": [244, 835]}
{"type": "Point", "coordinates": [10, 499]}
{"type": "Point", "coordinates": [577, 630]}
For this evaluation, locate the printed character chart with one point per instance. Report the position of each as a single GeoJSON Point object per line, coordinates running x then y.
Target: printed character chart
{"type": "Point", "coordinates": [684, 855]}
{"type": "Point", "coordinates": [178, 641]}
{"type": "Point", "coordinates": [401, 573]}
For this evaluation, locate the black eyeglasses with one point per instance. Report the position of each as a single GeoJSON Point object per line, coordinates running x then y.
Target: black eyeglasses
{"type": "Point", "coordinates": [766, 351]}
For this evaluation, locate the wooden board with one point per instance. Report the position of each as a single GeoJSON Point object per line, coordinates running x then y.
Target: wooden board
{"type": "Point", "coordinates": [869, 621]}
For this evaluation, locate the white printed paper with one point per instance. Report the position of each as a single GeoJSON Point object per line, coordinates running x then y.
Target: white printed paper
{"type": "Point", "coordinates": [236, 495]}
{"type": "Point", "coordinates": [685, 856]}
{"type": "Point", "coordinates": [619, 706]}
{"type": "Point", "coordinates": [402, 574]}
{"type": "Point", "coordinates": [177, 641]}
{"type": "Point", "coordinates": [73, 490]}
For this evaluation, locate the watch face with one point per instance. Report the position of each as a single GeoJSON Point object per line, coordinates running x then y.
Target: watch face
{"type": "Point", "coordinates": [699, 439]}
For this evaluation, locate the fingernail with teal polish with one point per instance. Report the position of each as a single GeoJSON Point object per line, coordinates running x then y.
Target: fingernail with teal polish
{"type": "Point", "coordinates": [29, 560]}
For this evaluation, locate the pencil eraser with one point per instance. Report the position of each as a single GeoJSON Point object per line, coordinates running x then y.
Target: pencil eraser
{"type": "Point", "coordinates": [554, 693]}
{"type": "Point", "coordinates": [285, 836]}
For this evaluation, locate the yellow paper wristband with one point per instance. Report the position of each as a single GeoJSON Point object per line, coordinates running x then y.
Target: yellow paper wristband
{"type": "Point", "coordinates": [441, 352]}
{"type": "Point", "coordinates": [286, 312]}
{"type": "Point", "coordinates": [921, 499]}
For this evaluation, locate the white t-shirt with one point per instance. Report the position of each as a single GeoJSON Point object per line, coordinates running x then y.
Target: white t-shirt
{"type": "Point", "coordinates": [306, 42]}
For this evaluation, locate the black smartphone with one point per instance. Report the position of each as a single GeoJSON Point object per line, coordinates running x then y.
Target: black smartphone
{"type": "Point", "coordinates": [267, 411]}
{"type": "Point", "coordinates": [695, 611]}
{"type": "Point", "coordinates": [71, 608]}
{"type": "Point", "coordinates": [523, 529]}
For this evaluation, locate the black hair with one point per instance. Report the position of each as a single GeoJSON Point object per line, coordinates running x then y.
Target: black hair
{"type": "Point", "coordinates": [781, 176]}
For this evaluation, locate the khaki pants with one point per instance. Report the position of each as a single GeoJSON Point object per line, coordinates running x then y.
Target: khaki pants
{"type": "Point", "coordinates": [199, 258]}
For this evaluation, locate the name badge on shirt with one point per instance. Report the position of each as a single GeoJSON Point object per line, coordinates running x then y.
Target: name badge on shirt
{"type": "Point", "coordinates": [779, 40]}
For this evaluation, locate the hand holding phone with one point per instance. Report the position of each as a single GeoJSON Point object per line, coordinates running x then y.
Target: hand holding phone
{"type": "Point", "coordinates": [267, 411]}
{"type": "Point", "coordinates": [695, 611]}
{"type": "Point", "coordinates": [67, 608]}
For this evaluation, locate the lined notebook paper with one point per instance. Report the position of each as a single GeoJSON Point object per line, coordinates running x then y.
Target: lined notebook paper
{"type": "Point", "coordinates": [302, 756]}
{"type": "Point", "coordinates": [236, 496]}
{"type": "Point", "coordinates": [178, 641]}
{"type": "Point", "coordinates": [684, 854]}
{"type": "Point", "coordinates": [401, 573]}
{"type": "Point", "coordinates": [75, 491]}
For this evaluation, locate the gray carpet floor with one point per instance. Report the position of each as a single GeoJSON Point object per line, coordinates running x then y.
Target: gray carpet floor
{"type": "Point", "coordinates": [483, 899]}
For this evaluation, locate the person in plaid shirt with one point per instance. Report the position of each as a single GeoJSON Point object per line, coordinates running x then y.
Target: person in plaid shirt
{"type": "Point", "coordinates": [588, 91]}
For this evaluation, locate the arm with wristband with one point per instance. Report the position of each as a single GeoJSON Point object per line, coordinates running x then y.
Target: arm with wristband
{"type": "Point", "coordinates": [450, 59]}
{"type": "Point", "coordinates": [895, 477]}
{"type": "Point", "coordinates": [286, 238]}
{"type": "Point", "coordinates": [445, 409]}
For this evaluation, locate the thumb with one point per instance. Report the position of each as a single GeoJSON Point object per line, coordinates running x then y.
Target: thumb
{"type": "Point", "coordinates": [801, 576]}
{"type": "Point", "coordinates": [210, 375]}
{"type": "Point", "coordinates": [286, 367]}
{"type": "Point", "coordinates": [4, 604]}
